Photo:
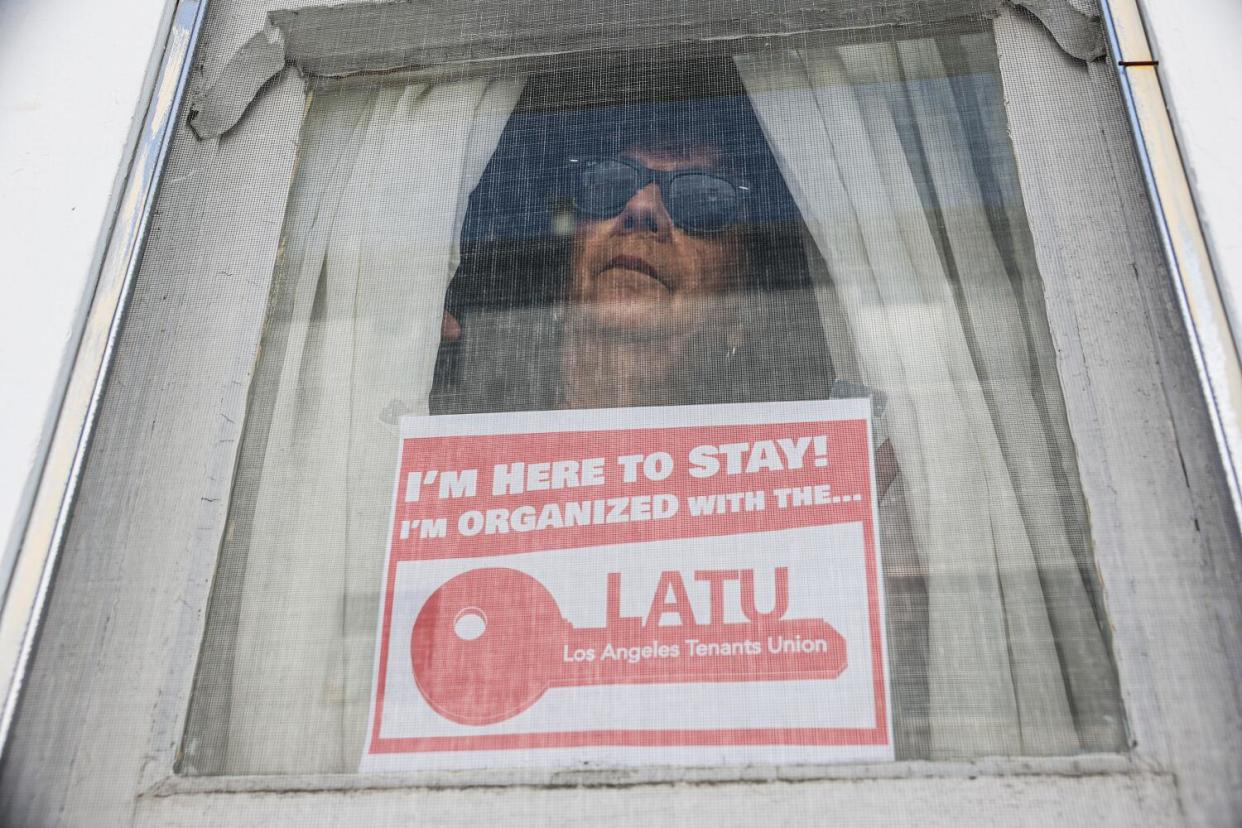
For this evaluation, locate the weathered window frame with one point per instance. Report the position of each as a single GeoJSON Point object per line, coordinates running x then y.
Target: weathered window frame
{"type": "Point", "coordinates": [152, 502]}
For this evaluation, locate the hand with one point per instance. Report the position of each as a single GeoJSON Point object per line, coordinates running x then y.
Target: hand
{"type": "Point", "coordinates": [450, 329]}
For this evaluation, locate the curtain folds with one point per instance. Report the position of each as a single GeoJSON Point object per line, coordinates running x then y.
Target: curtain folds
{"type": "Point", "coordinates": [929, 293]}
{"type": "Point", "coordinates": [874, 141]}
{"type": "Point", "coordinates": [371, 246]}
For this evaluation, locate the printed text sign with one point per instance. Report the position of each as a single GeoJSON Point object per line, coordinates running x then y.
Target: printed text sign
{"type": "Point", "coordinates": [640, 586]}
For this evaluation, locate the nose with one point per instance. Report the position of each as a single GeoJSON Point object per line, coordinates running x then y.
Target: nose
{"type": "Point", "coordinates": [645, 213]}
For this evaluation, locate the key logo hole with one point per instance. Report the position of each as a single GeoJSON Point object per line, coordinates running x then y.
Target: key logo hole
{"type": "Point", "coordinates": [470, 623]}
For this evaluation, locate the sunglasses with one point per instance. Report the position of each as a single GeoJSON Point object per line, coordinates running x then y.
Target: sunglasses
{"type": "Point", "coordinates": [697, 201]}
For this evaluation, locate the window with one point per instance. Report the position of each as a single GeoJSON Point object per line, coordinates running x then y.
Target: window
{"type": "Point", "coordinates": [935, 230]}
{"type": "Point", "coordinates": [846, 222]}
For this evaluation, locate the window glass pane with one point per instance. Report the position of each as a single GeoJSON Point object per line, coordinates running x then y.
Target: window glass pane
{"type": "Point", "coordinates": [811, 222]}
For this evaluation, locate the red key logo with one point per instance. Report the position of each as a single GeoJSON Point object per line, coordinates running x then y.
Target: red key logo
{"type": "Point", "coordinates": [488, 643]}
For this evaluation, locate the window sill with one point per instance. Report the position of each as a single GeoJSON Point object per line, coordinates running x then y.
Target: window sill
{"type": "Point", "coordinates": [1084, 765]}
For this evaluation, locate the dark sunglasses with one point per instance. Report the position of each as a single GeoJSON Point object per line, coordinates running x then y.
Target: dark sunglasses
{"type": "Point", "coordinates": [697, 201]}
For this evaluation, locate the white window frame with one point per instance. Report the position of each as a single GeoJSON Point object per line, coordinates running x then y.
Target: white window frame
{"type": "Point", "coordinates": [1138, 329]}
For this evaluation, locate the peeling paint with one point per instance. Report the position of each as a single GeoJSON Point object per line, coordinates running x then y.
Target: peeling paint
{"type": "Point", "coordinates": [222, 105]}
{"type": "Point", "coordinates": [1079, 33]}
{"type": "Point", "coordinates": [336, 40]}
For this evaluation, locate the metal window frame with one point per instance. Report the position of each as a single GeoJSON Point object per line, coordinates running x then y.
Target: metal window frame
{"type": "Point", "coordinates": [1199, 296]}
{"type": "Point", "coordinates": [1213, 342]}
{"type": "Point", "coordinates": [34, 564]}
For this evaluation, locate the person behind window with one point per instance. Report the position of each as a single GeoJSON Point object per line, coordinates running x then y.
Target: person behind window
{"type": "Point", "coordinates": [682, 280]}
{"type": "Point", "coordinates": [680, 283]}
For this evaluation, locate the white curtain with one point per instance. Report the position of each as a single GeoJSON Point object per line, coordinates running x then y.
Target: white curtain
{"type": "Point", "coordinates": [371, 244]}
{"type": "Point", "coordinates": [931, 307]}
{"type": "Point", "coordinates": [866, 135]}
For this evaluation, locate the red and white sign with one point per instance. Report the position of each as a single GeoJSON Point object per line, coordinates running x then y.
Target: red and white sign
{"type": "Point", "coordinates": [691, 585]}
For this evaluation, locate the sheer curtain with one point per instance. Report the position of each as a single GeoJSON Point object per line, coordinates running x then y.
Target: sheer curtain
{"type": "Point", "coordinates": [371, 243]}
{"type": "Point", "coordinates": [916, 242]}
{"type": "Point", "coordinates": [939, 299]}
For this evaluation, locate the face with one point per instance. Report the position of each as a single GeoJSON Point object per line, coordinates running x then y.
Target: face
{"type": "Point", "coordinates": [637, 274]}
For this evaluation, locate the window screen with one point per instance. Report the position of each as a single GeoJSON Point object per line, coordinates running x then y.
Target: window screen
{"type": "Point", "coordinates": [611, 239]}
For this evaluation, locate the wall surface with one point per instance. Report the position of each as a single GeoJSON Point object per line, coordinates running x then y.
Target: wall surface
{"type": "Point", "coordinates": [72, 77]}
{"type": "Point", "coordinates": [1201, 69]}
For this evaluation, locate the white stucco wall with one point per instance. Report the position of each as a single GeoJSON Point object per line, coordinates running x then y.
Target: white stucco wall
{"type": "Point", "coordinates": [71, 80]}
{"type": "Point", "coordinates": [1201, 69]}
